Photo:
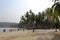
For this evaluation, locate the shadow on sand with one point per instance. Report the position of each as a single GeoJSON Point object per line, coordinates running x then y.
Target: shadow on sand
{"type": "Point", "coordinates": [49, 36]}
{"type": "Point", "coordinates": [56, 37]}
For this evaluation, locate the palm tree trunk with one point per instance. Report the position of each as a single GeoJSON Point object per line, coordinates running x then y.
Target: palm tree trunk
{"type": "Point", "coordinates": [23, 29]}
{"type": "Point", "coordinates": [33, 29]}
{"type": "Point", "coordinates": [55, 29]}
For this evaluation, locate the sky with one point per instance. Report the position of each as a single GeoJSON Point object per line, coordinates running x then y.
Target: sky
{"type": "Point", "coordinates": [12, 10]}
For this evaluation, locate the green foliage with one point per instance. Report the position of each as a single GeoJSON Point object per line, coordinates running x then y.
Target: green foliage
{"type": "Point", "coordinates": [44, 19]}
{"type": "Point", "coordinates": [49, 14]}
{"type": "Point", "coordinates": [56, 7]}
{"type": "Point", "coordinates": [54, 0]}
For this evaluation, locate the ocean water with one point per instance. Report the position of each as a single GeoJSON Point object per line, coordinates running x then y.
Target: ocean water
{"type": "Point", "coordinates": [8, 29]}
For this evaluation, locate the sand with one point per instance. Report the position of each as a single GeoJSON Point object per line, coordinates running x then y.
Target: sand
{"type": "Point", "coordinates": [29, 35]}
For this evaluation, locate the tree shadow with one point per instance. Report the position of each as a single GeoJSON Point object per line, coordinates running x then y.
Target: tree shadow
{"type": "Point", "coordinates": [49, 36]}
{"type": "Point", "coordinates": [56, 37]}
{"type": "Point", "coordinates": [43, 39]}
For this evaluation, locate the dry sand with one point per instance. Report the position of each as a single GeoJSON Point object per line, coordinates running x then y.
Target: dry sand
{"type": "Point", "coordinates": [29, 35]}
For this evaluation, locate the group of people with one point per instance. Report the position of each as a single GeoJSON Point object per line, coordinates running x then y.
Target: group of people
{"type": "Point", "coordinates": [4, 30]}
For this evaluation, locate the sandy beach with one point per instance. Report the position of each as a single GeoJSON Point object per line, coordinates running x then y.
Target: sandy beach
{"type": "Point", "coordinates": [29, 35]}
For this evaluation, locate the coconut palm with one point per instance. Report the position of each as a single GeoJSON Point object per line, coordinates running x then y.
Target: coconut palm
{"type": "Point", "coordinates": [54, 0]}
{"type": "Point", "coordinates": [22, 22]}
{"type": "Point", "coordinates": [32, 19]}
{"type": "Point", "coordinates": [38, 20]}
{"type": "Point", "coordinates": [27, 17]}
{"type": "Point", "coordinates": [43, 19]}
{"type": "Point", "coordinates": [56, 7]}
{"type": "Point", "coordinates": [49, 16]}
{"type": "Point", "coordinates": [56, 11]}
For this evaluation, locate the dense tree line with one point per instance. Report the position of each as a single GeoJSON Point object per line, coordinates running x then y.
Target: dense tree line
{"type": "Point", "coordinates": [43, 20]}
{"type": "Point", "coordinates": [40, 20]}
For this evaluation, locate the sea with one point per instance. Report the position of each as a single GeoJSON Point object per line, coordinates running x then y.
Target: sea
{"type": "Point", "coordinates": [8, 29]}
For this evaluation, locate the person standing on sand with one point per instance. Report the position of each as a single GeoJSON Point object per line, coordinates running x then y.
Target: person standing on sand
{"type": "Point", "coordinates": [4, 30]}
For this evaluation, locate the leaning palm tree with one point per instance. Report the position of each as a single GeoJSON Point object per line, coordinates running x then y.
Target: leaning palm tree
{"type": "Point", "coordinates": [55, 16]}
{"type": "Point", "coordinates": [54, 0]}
{"type": "Point", "coordinates": [56, 7]}
{"type": "Point", "coordinates": [56, 11]}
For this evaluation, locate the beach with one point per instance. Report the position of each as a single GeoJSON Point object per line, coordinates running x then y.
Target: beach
{"type": "Point", "coordinates": [29, 35]}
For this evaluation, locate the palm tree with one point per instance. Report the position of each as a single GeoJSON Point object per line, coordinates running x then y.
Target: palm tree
{"type": "Point", "coordinates": [54, 0]}
{"type": "Point", "coordinates": [36, 19]}
{"type": "Point", "coordinates": [40, 19]}
{"type": "Point", "coordinates": [22, 22]}
{"type": "Point", "coordinates": [56, 7]}
{"type": "Point", "coordinates": [43, 19]}
{"type": "Point", "coordinates": [56, 11]}
{"type": "Point", "coordinates": [27, 16]}
{"type": "Point", "coordinates": [32, 19]}
{"type": "Point", "coordinates": [49, 16]}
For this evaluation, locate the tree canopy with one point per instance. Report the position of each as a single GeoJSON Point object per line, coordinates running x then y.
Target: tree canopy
{"type": "Point", "coordinates": [45, 19]}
